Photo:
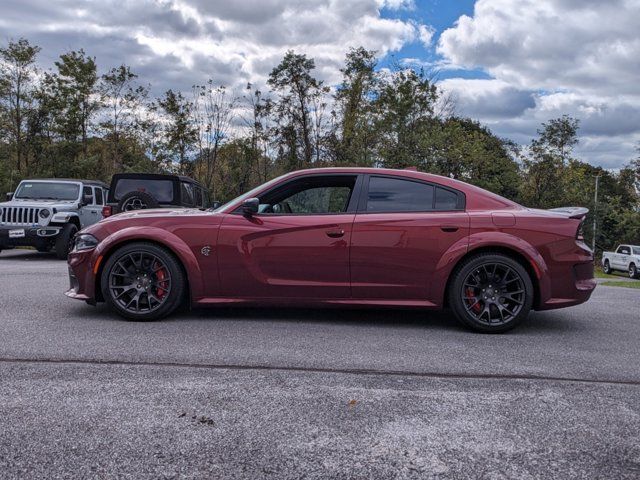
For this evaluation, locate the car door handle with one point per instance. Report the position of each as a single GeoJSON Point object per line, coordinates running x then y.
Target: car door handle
{"type": "Point", "coordinates": [449, 228]}
{"type": "Point", "coordinates": [335, 233]}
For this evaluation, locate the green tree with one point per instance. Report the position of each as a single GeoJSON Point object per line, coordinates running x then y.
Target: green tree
{"type": "Point", "coordinates": [180, 134]}
{"type": "Point", "coordinates": [297, 90]}
{"type": "Point", "coordinates": [17, 75]}
{"type": "Point", "coordinates": [404, 117]}
{"type": "Point", "coordinates": [353, 98]}
{"type": "Point", "coordinates": [123, 100]}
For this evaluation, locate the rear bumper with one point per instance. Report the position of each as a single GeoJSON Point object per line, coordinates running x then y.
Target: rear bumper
{"type": "Point", "coordinates": [573, 287]}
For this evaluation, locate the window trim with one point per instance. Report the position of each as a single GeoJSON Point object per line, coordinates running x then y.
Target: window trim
{"type": "Point", "coordinates": [351, 207]}
{"type": "Point", "coordinates": [364, 196]}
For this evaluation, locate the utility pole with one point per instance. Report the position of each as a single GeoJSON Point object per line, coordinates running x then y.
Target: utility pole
{"type": "Point", "coordinates": [595, 211]}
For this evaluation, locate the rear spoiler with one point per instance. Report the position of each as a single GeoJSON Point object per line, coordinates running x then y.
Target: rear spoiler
{"type": "Point", "coordinates": [571, 212]}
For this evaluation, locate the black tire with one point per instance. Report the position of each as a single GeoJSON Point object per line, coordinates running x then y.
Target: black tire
{"type": "Point", "coordinates": [137, 201]}
{"type": "Point", "coordinates": [633, 271]}
{"type": "Point", "coordinates": [606, 268]}
{"type": "Point", "coordinates": [508, 289]}
{"type": "Point", "coordinates": [64, 242]}
{"type": "Point", "coordinates": [122, 279]}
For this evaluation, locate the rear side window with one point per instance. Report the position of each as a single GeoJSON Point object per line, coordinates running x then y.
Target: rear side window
{"type": "Point", "coordinates": [396, 195]}
{"type": "Point", "coordinates": [99, 200]}
{"type": "Point", "coordinates": [446, 199]}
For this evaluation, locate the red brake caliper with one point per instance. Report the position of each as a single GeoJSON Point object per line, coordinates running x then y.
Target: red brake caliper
{"type": "Point", "coordinates": [161, 276]}
{"type": "Point", "coordinates": [470, 293]}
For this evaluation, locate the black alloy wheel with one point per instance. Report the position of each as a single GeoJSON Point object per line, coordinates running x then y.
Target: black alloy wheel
{"type": "Point", "coordinates": [143, 281]}
{"type": "Point", "coordinates": [491, 293]}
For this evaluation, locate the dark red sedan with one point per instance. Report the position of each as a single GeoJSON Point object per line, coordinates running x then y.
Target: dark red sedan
{"type": "Point", "coordinates": [354, 236]}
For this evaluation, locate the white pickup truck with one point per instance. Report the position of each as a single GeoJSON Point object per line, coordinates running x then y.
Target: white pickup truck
{"type": "Point", "coordinates": [626, 258]}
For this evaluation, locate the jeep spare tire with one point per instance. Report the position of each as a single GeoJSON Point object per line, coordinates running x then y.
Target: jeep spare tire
{"type": "Point", "coordinates": [137, 201]}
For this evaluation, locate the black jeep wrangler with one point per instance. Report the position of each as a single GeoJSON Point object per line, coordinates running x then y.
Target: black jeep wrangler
{"type": "Point", "coordinates": [136, 191]}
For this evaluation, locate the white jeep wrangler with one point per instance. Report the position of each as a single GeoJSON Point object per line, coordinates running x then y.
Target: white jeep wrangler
{"type": "Point", "coordinates": [47, 213]}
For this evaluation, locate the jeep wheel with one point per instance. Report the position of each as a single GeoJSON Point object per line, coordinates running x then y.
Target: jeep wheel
{"type": "Point", "coordinates": [143, 281]}
{"type": "Point", "coordinates": [491, 293]}
{"type": "Point", "coordinates": [64, 242]}
{"type": "Point", "coordinates": [137, 201]}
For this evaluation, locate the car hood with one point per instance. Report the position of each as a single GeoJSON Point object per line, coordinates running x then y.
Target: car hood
{"type": "Point", "coordinates": [157, 212]}
{"type": "Point", "coordinates": [57, 204]}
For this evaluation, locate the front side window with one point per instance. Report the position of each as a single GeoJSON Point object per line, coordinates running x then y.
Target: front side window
{"type": "Point", "coordinates": [397, 195]}
{"type": "Point", "coordinates": [48, 191]}
{"type": "Point", "coordinates": [312, 195]}
{"type": "Point", "coordinates": [623, 250]}
{"type": "Point", "coordinates": [88, 192]}
{"type": "Point", "coordinates": [99, 200]}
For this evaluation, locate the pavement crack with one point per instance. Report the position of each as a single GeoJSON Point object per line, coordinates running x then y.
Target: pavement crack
{"type": "Point", "coordinates": [348, 371]}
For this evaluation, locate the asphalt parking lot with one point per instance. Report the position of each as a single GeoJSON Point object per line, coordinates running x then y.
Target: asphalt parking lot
{"type": "Point", "coordinates": [311, 393]}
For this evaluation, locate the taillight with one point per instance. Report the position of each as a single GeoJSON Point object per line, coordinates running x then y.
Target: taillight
{"type": "Point", "coordinates": [107, 211]}
{"type": "Point", "coordinates": [580, 232]}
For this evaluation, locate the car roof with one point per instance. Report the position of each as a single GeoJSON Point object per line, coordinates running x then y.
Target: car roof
{"type": "Point", "coordinates": [156, 176]}
{"type": "Point", "coordinates": [75, 180]}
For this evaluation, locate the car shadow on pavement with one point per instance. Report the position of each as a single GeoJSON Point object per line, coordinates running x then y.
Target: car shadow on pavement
{"type": "Point", "coordinates": [28, 256]}
{"type": "Point", "coordinates": [537, 323]}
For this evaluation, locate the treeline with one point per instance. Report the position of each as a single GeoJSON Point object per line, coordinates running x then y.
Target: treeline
{"type": "Point", "coordinates": [70, 121]}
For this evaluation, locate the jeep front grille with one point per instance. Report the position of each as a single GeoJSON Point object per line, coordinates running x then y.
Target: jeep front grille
{"type": "Point", "coordinates": [19, 216]}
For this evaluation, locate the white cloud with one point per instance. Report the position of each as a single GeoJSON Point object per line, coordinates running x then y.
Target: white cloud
{"type": "Point", "coordinates": [176, 43]}
{"type": "Point", "coordinates": [582, 57]}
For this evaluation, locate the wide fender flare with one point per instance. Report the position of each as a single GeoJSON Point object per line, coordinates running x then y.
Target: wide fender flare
{"type": "Point", "coordinates": [486, 240]}
{"type": "Point", "coordinates": [162, 237]}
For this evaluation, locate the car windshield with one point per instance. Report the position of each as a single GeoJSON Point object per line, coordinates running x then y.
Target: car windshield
{"type": "Point", "coordinates": [250, 193]}
{"type": "Point", "coordinates": [48, 191]}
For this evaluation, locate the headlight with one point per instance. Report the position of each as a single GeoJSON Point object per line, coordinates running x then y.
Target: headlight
{"type": "Point", "coordinates": [45, 213]}
{"type": "Point", "coordinates": [84, 241]}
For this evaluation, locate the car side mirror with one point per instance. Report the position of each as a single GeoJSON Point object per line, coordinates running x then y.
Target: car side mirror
{"type": "Point", "coordinates": [9, 196]}
{"type": "Point", "coordinates": [215, 205]}
{"type": "Point", "coordinates": [250, 206]}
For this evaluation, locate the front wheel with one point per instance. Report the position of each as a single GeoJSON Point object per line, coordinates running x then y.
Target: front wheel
{"type": "Point", "coordinates": [633, 271]}
{"type": "Point", "coordinates": [491, 293]}
{"type": "Point", "coordinates": [64, 242]}
{"type": "Point", "coordinates": [143, 281]}
{"type": "Point", "coordinates": [606, 268]}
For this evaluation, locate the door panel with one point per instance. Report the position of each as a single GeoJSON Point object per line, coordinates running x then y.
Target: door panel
{"type": "Point", "coordinates": [393, 255]}
{"type": "Point", "coordinates": [90, 214]}
{"type": "Point", "coordinates": [303, 256]}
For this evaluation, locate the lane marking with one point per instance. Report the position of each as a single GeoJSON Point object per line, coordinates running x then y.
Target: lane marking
{"type": "Point", "coordinates": [347, 371]}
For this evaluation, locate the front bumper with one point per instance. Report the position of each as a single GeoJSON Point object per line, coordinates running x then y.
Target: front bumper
{"type": "Point", "coordinates": [33, 236]}
{"type": "Point", "coordinates": [82, 279]}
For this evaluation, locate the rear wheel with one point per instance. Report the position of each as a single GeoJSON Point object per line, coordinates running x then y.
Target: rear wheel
{"type": "Point", "coordinates": [606, 268]}
{"type": "Point", "coordinates": [491, 293]}
{"type": "Point", "coordinates": [64, 242]}
{"type": "Point", "coordinates": [143, 281]}
{"type": "Point", "coordinates": [633, 271]}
